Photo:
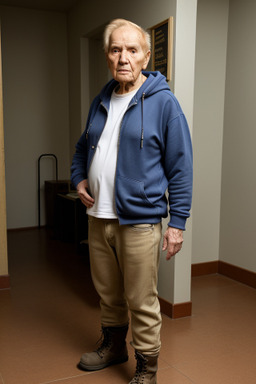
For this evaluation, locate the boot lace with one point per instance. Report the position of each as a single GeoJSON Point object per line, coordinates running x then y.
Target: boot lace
{"type": "Point", "coordinates": [141, 370]}
{"type": "Point", "coordinates": [105, 342]}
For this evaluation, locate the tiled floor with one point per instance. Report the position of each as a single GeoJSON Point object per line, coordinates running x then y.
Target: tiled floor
{"type": "Point", "coordinates": [50, 316]}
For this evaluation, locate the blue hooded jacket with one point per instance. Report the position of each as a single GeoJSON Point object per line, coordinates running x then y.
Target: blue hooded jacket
{"type": "Point", "coordinates": [154, 154]}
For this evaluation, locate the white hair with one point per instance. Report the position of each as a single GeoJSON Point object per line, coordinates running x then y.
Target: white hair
{"type": "Point", "coordinates": [117, 23]}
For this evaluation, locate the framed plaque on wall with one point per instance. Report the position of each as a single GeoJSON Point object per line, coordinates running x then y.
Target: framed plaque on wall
{"type": "Point", "coordinates": [162, 47]}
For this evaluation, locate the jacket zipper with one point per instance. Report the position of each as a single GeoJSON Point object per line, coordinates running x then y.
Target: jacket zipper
{"type": "Point", "coordinates": [142, 127]}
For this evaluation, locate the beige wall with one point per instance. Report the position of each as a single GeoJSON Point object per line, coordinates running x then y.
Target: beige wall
{"type": "Point", "coordinates": [35, 92]}
{"type": "Point", "coordinates": [177, 289]}
{"type": "Point", "coordinates": [238, 202]}
{"type": "Point", "coordinates": [210, 72]}
{"type": "Point", "coordinates": [224, 136]}
{"type": "Point", "coordinates": [3, 237]}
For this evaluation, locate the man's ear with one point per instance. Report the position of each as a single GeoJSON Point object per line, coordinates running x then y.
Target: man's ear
{"type": "Point", "coordinates": [147, 58]}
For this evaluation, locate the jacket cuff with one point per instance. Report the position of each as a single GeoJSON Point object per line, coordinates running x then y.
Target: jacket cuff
{"type": "Point", "coordinates": [177, 222]}
{"type": "Point", "coordinates": [76, 180]}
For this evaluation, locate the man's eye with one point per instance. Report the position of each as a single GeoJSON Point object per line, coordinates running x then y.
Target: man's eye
{"type": "Point", "coordinates": [115, 50]}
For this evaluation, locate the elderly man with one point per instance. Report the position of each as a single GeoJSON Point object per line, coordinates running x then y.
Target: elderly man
{"type": "Point", "coordinates": [135, 147]}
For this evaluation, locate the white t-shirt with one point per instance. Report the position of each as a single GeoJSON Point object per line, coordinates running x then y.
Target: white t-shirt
{"type": "Point", "coordinates": [102, 172]}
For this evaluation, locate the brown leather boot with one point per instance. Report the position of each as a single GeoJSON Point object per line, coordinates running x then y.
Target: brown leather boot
{"type": "Point", "coordinates": [113, 350]}
{"type": "Point", "coordinates": [146, 369]}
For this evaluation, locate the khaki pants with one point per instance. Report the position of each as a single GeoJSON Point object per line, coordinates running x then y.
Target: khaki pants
{"type": "Point", "coordinates": [124, 266]}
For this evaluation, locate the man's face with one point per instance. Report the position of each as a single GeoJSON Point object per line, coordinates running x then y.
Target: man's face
{"type": "Point", "coordinates": [127, 56]}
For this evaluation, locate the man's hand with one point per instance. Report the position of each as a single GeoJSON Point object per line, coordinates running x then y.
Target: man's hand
{"type": "Point", "coordinates": [82, 190]}
{"type": "Point", "coordinates": [172, 241]}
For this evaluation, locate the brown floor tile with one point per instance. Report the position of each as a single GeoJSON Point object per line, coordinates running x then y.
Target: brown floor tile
{"type": "Point", "coordinates": [231, 368]}
{"type": "Point", "coordinates": [172, 376]}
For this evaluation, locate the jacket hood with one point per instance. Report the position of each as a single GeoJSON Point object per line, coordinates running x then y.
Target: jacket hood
{"type": "Point", "coordinates": [155, 82]}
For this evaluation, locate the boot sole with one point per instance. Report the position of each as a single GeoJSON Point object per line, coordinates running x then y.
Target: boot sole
{"type": "Point", "coordinates": [85, 367]}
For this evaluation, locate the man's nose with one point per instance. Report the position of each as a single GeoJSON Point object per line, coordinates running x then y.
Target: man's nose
{"type": "Point", "coordinates": [123, 58]}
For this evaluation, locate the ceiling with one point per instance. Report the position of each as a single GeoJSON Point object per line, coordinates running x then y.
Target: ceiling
{"type": "Point", "coordinates": [46, 5]}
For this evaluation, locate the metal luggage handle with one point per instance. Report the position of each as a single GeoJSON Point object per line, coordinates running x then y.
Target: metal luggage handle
{"type": "Point", "coordinates": [39, 181]}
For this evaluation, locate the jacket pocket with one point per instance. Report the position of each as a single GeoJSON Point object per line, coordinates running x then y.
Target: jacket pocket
{"type": "Point", "coordinates": [131, 198]}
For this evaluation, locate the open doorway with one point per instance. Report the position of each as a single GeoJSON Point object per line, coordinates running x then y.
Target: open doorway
{"type": "Point", "coordinates": [94, 70]}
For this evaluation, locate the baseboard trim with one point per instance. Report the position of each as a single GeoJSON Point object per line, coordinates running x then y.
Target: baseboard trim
{"type": "Point", "coordinates": [5, 282]}
{"type": "Point", "coordinates": [232, 271]}
{"type": "Point", "coordinates": [201, 269]}
{"type": "Point", "coordinates": [181, 310]}
{"type": "Point", "coordinates": [23, 229]}
{"type": "Point", "coordinates": [239, 274]}
{"type": "Point", "coordinates": [175, 311]}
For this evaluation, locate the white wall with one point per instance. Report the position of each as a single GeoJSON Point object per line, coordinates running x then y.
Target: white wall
{"type": "Point", "coordinates": [238, 204]}
{"type": "Point", "coordinates": [211, 48]}
{"type": "Point", "coordinates": [175, 276]}
{"type": "Point", "coordinates": [224, 135]}
{"type": "Point", "coordinates": [35, 91]}
{"type": "Point", "coordinates": [186, 15]}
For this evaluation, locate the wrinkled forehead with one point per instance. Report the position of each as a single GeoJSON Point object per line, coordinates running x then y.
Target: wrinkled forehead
{"type": "Point", "coordinates": [127, 35]}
